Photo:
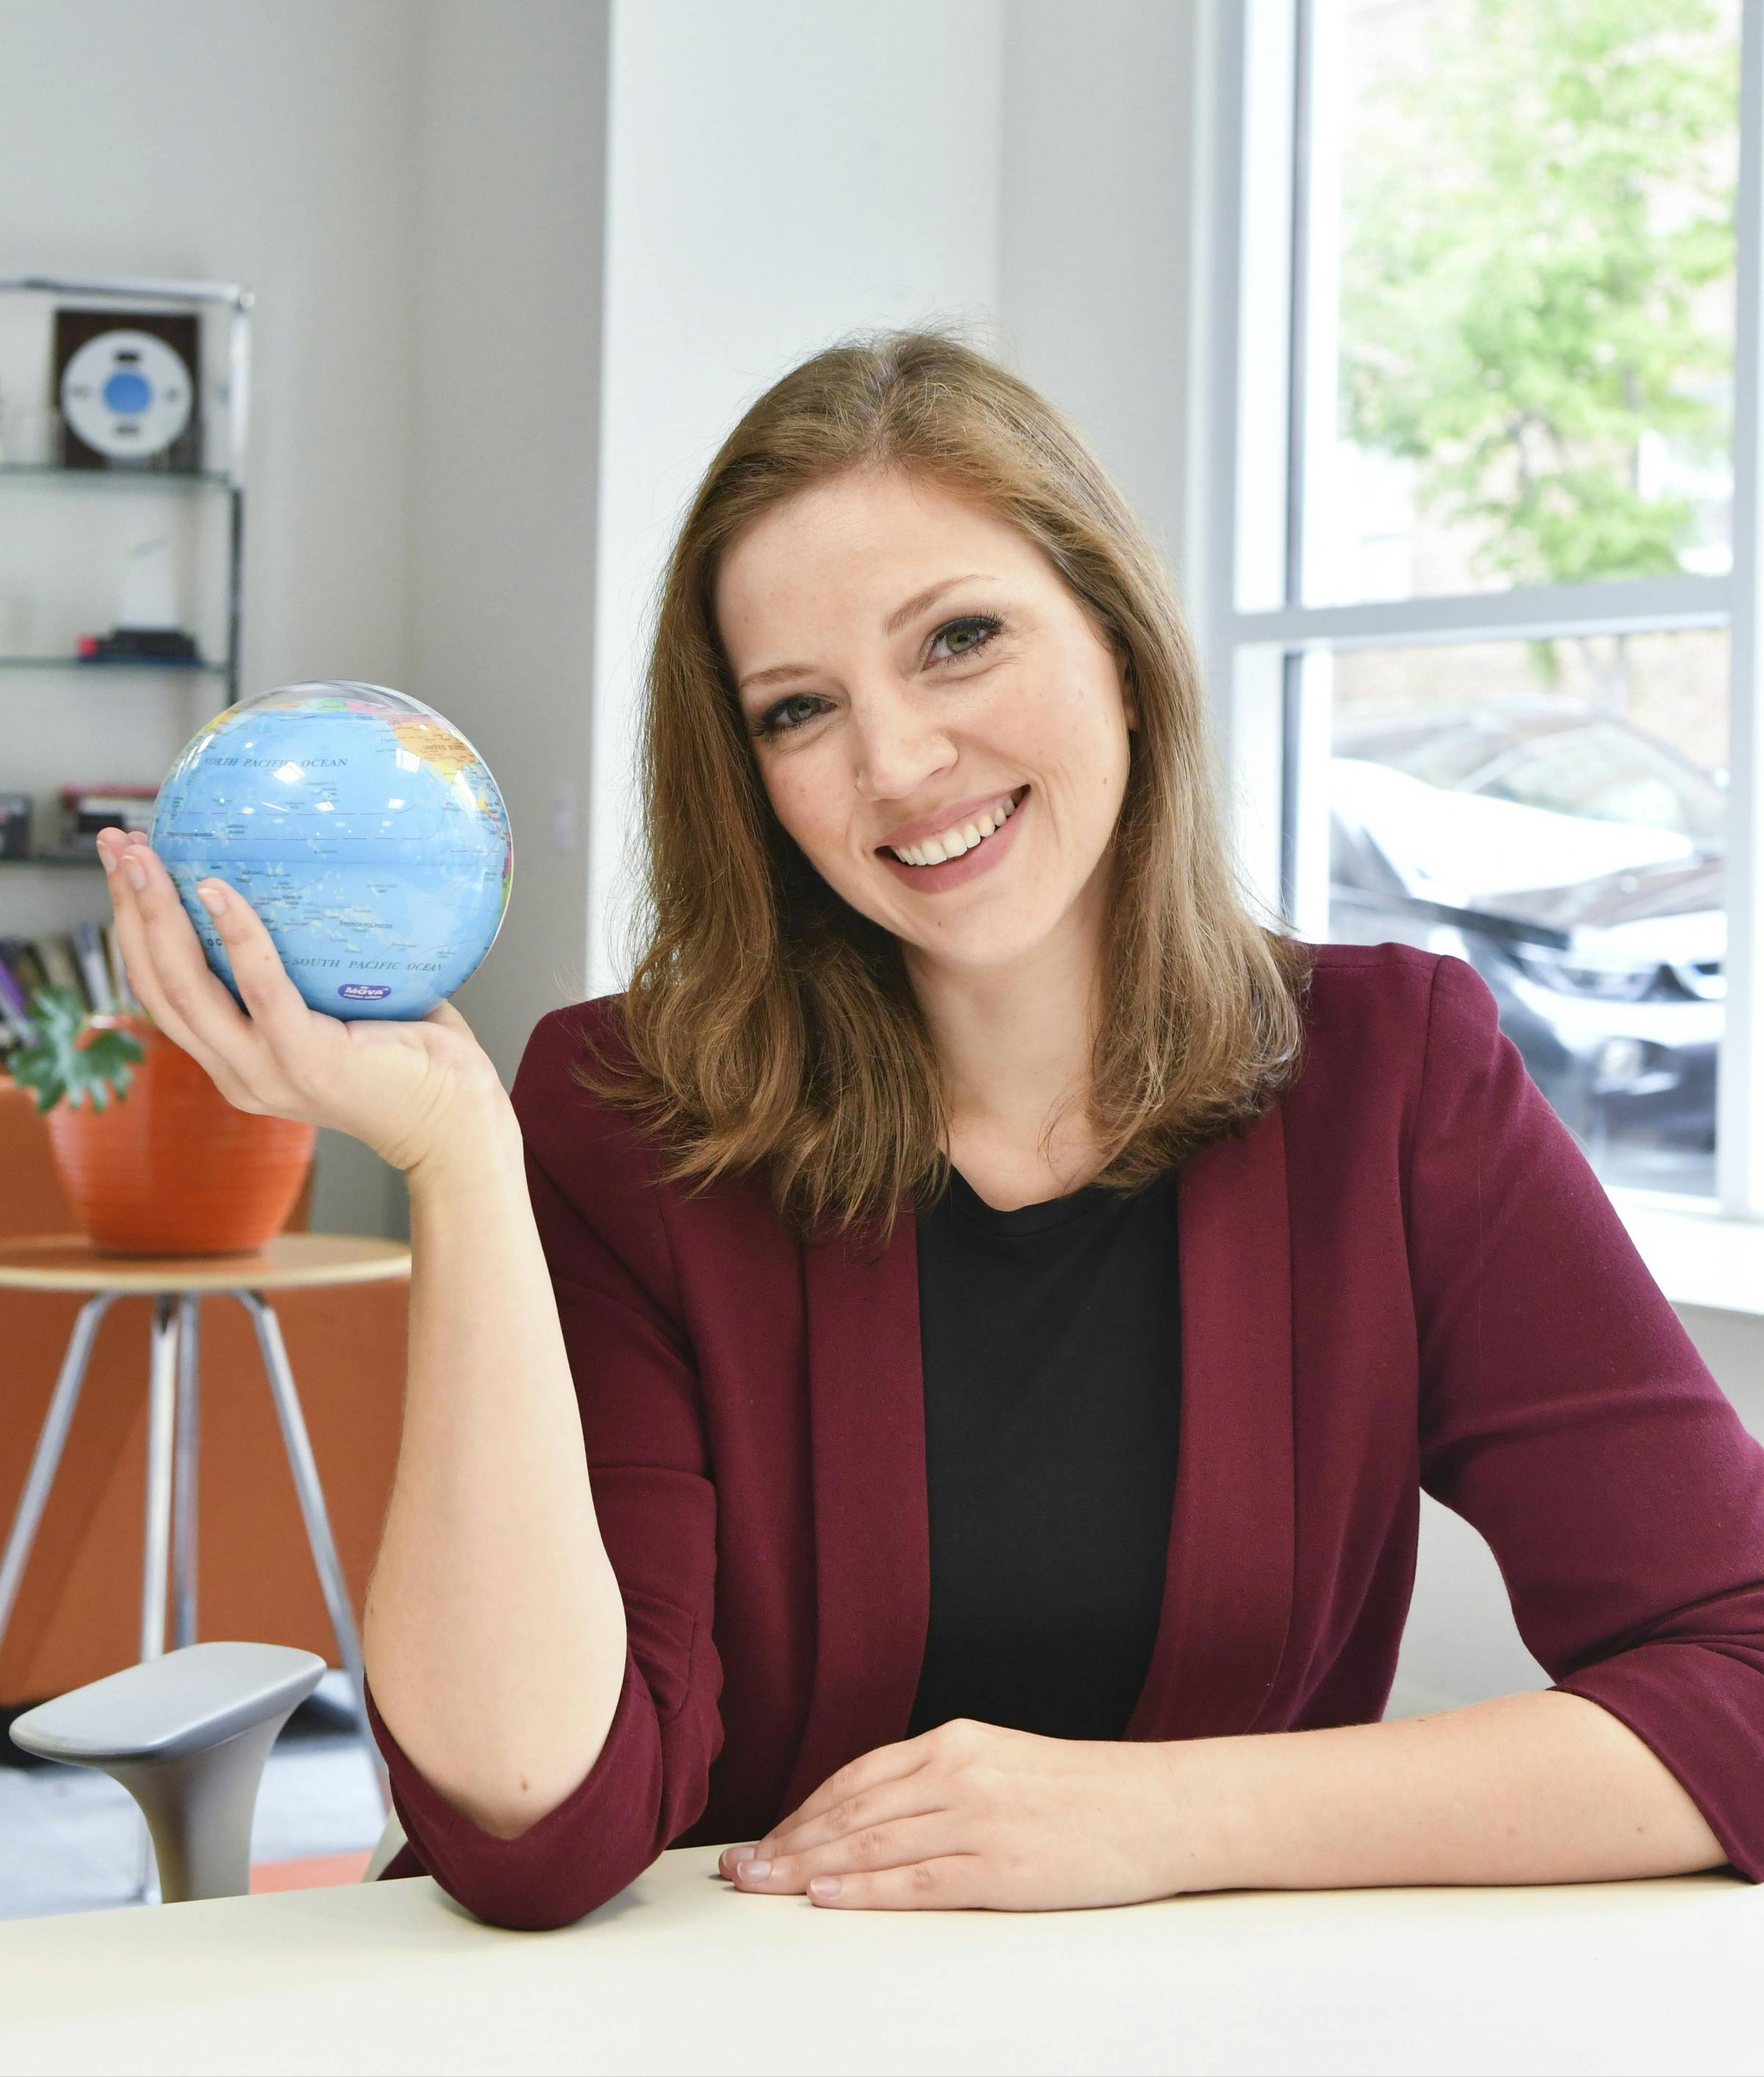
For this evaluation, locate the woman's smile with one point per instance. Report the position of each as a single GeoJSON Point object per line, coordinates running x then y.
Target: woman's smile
{"type": "Point", "coordinates": [977, 858]}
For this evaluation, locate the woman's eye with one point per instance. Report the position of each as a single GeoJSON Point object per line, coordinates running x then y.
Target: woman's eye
{"type": "Point", "coordinates": [770, 723]}
{"type": "Point", "coordinates": [988, 627]}
{"type": "Point", "coordinates": [981, 626]}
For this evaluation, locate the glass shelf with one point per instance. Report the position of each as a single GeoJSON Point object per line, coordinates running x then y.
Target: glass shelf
{"type": "Point", "coordinates": [95, 664]}
{"type": "Point", "coordinates": [59, 858]}
{"type": "Point", "coordinates": [176, 479]}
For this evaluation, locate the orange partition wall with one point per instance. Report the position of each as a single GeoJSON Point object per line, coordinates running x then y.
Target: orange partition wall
{"type": "Point", "coordinates": [79, 1608]}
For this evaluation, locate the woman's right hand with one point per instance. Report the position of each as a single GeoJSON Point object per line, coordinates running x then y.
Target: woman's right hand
{"type": "Point", "coordinates": [399, 1086]}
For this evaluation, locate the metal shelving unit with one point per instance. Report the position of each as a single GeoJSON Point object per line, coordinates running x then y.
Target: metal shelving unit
{"type": "Point", "coordinates": [126, 294]}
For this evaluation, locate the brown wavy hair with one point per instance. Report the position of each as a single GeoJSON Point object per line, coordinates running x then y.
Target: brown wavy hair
{"type": "Point", "coordinates": [768, 1025]}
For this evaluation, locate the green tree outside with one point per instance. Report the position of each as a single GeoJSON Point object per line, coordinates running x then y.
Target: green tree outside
{"type": "Point", "coordinates": [1528, 216]}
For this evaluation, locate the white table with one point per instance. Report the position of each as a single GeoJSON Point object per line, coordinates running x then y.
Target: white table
{"type": "Point", "coordinates": [681, 1973]}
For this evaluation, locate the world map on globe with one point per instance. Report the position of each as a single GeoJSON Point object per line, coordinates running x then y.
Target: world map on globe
{"type": "Point", "coordinates": [363, 828]}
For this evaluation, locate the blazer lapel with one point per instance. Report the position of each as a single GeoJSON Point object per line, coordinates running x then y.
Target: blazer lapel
{"type": "Point", "coordinates": [1228, 1589]}
{"type": "Point", "coordinates": [1227, 1592]}
{"type": "Point", "coordinates": [872, 1530]}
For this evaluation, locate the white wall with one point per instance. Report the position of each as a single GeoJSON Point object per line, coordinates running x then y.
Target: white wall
{"type": "Point", "coordinates": [510, 168]}
{"type": "Point", "coordinates": [1097, 239]}
{"type": "Point", "coordinates": [778, 173]}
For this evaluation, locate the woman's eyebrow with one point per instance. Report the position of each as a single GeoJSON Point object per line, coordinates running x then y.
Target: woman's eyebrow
{"type": "Point", "coordinates": [775, 673]}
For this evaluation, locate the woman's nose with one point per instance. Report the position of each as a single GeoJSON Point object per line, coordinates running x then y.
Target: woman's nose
{"type": "Point", "coordinates": [898, 740]}
{"type": "Point", "coordinates": [900, 765]}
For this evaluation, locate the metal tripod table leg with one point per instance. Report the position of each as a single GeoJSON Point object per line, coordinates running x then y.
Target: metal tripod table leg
{"type": "Point", "coordinates": [163, 1366]}
{"type": "Point", "coordinates": [47, 1456]}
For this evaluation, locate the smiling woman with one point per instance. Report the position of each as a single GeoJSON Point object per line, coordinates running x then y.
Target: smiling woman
{"type": "Point", "coordinates": [988, 1566]}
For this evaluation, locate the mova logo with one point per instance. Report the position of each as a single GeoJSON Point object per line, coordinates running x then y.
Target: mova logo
{"type": "Point", "coordinates": [363, 991]}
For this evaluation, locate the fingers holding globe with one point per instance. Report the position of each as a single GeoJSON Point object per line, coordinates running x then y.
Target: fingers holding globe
{"type": "Point", "coordinates": [164, 955]}
{"type": "Point", "coordinates": [274, 1004]}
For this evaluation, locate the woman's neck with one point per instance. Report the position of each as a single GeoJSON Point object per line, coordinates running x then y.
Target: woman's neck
{"type": "Point", "coordinates": [1015, 1043]}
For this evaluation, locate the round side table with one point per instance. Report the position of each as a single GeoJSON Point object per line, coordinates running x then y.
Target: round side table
{"type": "Point", "coordinates": [177, 1284]}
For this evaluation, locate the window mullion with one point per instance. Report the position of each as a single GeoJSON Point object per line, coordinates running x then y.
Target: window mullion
{"type": "Point", "coordinates": [1740, 1082]}
{"type": "Point", "coordinates": [1628, 606]}
{"type": "Point", "coordinates": [1300, 215]}
{"type": "Point", "coordinates": [1247, 433]}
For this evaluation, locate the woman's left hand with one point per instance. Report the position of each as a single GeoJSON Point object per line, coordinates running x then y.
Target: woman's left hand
{"type": "Point", "coordinates": [976, 1816]}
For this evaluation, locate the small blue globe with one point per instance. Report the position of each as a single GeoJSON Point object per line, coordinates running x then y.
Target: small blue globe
{"type": "Point", "coordinates": [363, 829]}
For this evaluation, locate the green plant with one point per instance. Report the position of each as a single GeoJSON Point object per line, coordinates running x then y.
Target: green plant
{"type": "Point", "coordinates": [55, 1065]}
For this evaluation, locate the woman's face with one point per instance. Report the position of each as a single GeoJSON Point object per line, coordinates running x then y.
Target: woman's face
{"type": "Point", "coordinates": [905, 712]}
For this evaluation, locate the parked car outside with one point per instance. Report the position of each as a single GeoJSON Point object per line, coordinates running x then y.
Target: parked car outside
{"type": "Point", "coordinates": [1577, 861]}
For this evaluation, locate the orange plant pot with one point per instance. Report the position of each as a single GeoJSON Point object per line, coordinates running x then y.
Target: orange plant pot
{"type": "Point", "coordinates": [171, 1168]}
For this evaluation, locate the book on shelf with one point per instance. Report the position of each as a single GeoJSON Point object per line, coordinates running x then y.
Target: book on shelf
{"type": "Point", "coordinates": [85, 958]}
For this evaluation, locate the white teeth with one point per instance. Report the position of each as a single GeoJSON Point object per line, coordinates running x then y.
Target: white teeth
{"type": "Point", "coordinates": [953, 842]}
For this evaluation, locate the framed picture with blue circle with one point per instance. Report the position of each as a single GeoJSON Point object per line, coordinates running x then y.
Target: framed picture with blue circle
{"type": "Point", "coordinates": [128, 389]}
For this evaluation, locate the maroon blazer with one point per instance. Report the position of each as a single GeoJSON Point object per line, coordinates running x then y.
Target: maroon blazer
{"type": "Point", "coordinates": [1403, 1277]}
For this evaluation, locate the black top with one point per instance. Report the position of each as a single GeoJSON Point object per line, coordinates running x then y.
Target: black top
{"type": "Point", "coordinates": [1052, 1353]}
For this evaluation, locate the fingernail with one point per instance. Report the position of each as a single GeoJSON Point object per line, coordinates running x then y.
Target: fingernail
{"type": "Point", "coordinates": [212, 899]}
{"type": "Point", "coordinates": [106, 861]}
{"type": "Point", "coordinates": [824, 1886]}
{"type": "Point", "coordinates": [137, 873]}
{"type": "Point", "coordinates": [754, 1870]}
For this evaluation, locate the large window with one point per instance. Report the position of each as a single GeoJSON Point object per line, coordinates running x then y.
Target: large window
{"type": "Point", "coordinates": [1482, 593]}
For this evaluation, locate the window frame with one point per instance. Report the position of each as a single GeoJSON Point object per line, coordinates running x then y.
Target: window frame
{"type": "Point", "coordinates": [1266, 655]}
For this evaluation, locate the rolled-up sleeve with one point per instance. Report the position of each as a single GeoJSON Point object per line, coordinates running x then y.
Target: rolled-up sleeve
{"type": "Point", "coordinates": [638, 1392]}
{"type": "Point", "coordinates": [1567, 1415]}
